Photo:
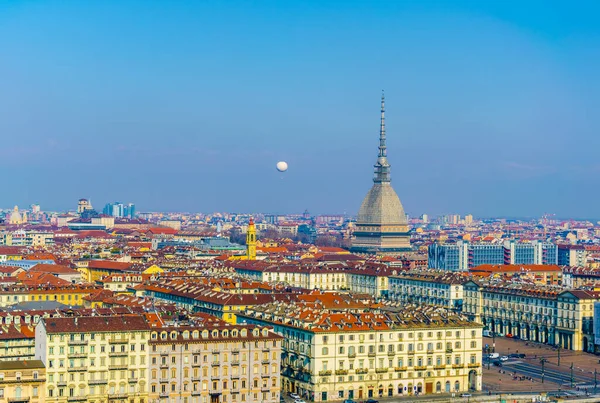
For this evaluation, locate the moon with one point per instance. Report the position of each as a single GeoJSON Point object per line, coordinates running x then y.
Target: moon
{"type": "Point", "coordinates": [282, 166]}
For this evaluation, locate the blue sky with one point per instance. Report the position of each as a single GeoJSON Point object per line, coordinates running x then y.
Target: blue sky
{"type": "Point", "coordinates": [492, 106]}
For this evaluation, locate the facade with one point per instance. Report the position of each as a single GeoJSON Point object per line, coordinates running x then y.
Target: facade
{"type": "Point", "coordinates": [94, 359]}
{"type": "Point", "coordinates": [213, 364]}
{"type": "Point", "coordinates": [22, 381]}
{"type": "Point", "coordinates": [349, 354]}
{"type": "Point", "coordinates": [543, 314]}
{"type": "Point", "coordinates": [381, 226]}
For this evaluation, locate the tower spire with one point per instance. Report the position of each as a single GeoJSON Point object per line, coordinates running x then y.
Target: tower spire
{"type": "Point", "coordinates": [382, 146]}
{"type": "Point", "coordinates": [382, 167]}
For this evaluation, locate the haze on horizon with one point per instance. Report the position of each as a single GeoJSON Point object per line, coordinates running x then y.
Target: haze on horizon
{"type": "Point", "coordinates": [187, 106]}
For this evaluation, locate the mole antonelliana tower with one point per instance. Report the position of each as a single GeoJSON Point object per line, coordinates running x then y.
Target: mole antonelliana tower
{"type": "Point", "coordinates": [381, 225]}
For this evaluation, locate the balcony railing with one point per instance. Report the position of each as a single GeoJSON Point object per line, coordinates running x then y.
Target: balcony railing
{"type": "Point", "coordinates": [381, 370]}
{"type": "Point", "coordinates": [449, 350]}
{"type": "Point", "coordinates": [439, 367]}
{"type": "Point", "coordinates": [77, 369]}
{"type": "Point", "coordinates": [391, 353]}
{"type": "Point", "coordinates": [372, 354]}
{"type": "Point", "coordinates": [399, 369]}
{"type": "Point", "coordinates": [77, 355]}
{"type": "Point", "coordinates": [474, 365]}
{"type": "Point", "coordinates": [77, 342]}
{"type": "Point", "coordinates": [75, 399]}
{"type": "Point", "coordinates": [457, 366]}
{"type": "Point", "coordinates": [362, 371]}
{"type": "Point", "coordinates": [117, 366]}
{"type": "Point", "coordinates": [351, 355]}
{"type": "Point", "coordinates": [341, 372]}
{"type": "Point", "coordinates": [118, 396]}
{"type": "Point", "coordinates": [113, 340]}
{"type": "Point", "coordinates": [96, 382]}
{"type": "Point", "coordinates": [20, 399]}
{"type": "Point", "coordinates": [420, 367]}
{"type": "Point", "coordinates": [325, 372]}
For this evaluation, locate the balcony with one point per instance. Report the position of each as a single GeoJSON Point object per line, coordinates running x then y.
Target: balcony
{"type": "Point", "coordinates": [351, 355]}
{"type": "Point", "coordinates": [61, 383]}
{"type": "Point", "coordinates": [325, 372]}
{"type": "Point", "coordinates": [400, 369]}
{"type": "Point", "coordinates": [216, 351]}
{"type": "Point", "coordinates": [266, 349]}
{"type": "Point", "coordinates": [164, 380]}
{"type": "Point", "coordinates": [76, 398]}
{"type": "Point", "coordinates": [215, 364]}
{"type": "Point", "coordinates": [449, 350]}
{"type": "Point", "coordinates": [196, 393]}
{"type": "Point", "coordinates": [372, 354]}
{"type": "Point", "coordinates": [119, 354]}
{"type": "Point", "coordinates": [117, 367]}
{"type": "Point", "coordinates": [458, 366]}
{"type": "Point", "coordinates": [114, 340]}
{"type": "Point", "coordinates": [235, 350]}
{"type": "Point", "coordinates": [196, 379]}
{"type": "Point", "coordinates": [438, 367]}
{"type": "Point", "coordinates": [77, 342]}
{"type": "Point", "coordinates": [362, 371]}
{"type": "Point", "coordinates": [77, 355]}
{"type": "Point", "coordinates": [420, 367]}
{"type": "Point", "coordinates": [95, 382]}
{"type": "Point", "coordinates": [77, 369]}
{"type": "Point", "coordinates": [265, 389]}
{"type": "Point", "coordinates": [429, 351]}
{"type": "Point", "coordinates": [132, 380]}
{"type": "Point", "coordinates": [164, 366]}
{"type": "Point", "coordinates": [20, 399]}
{"type": "Point", "coordinates": [341, 372]}
{"type": "Point", "coordinates": [411, 352]}
{"type": "Point", "coordinates": [235, 362]}
{"type": "Point", "coordinates": [391, 353]}
{"type": "Point", "coordinates": [474, 365]}
{"type": "Point", "coordinates": [163, 395]}
{"type": "Point", "coordinates": [118, 396]}
{"type": "Point", "coordinates": [381, 370]}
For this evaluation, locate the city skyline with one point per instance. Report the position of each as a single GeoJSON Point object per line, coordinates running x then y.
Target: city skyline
{"type": "Point", "coordinates": [207, 98]}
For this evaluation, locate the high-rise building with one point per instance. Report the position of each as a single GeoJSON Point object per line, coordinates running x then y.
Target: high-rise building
{"type": "Point", "coordinates": [381, 225]}
{"type": "Point", "coordinates": [118, 209]}
{"type": "Point", "coordinates": [468, 219]}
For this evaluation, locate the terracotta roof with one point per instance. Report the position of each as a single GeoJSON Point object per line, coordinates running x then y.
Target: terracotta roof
{"type": "Point", "coordinates": [96, 324]}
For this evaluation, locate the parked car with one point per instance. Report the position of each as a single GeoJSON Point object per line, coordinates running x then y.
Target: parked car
{"type": "Point", "coordinates": [497, 363]}
{"type": "Point", "coordinates": [349, 401]}
{"type": "Point", "coordinates": [466, 395]}
{"type": "Point", "coordinates": [521, 355]}
{"type": "Point", "coordinates": [294, 396]}
{"type": "Point", "coordinates": [509, 335]}
{"type": "Point", "coordinates": [513, 355]}
{"type": "Point", "coordinates": [372, 401]}
{"type": "Point", "coordinates": [504, 358]}
{"type": "Point", "coordinates": [493, 355]}
{"type": "Point", "coordinates": [299, 401]}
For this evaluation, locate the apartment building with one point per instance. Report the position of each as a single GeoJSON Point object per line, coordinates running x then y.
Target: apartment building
{"type": "Point", "coordinates": [191, 363]}
{"type": "Point", "coordinates": [22, 381]}
{"type": "Point", "coordinates": [544, 314]}
{"type": "Point", "coordinates": [333, 354]}
{"type": "Point", "coordinates": [96, 359]}
{"type": "Point", "coordinates": [430, 288]}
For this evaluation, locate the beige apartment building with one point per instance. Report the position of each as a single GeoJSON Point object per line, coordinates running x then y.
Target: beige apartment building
{"type": "Point", "coordinates": [22, 381]}
{"type": "Point", "coordinates": [390, 352]}
{"type": "Point", "coordinates": [217, 363]}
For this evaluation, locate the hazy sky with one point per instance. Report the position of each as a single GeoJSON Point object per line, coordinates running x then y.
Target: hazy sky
{"type": "Point", "coordinates": [492, 106]}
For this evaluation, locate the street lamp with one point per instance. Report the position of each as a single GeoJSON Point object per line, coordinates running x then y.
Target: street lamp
{"type": "Point", "coordinates": [542, 361]}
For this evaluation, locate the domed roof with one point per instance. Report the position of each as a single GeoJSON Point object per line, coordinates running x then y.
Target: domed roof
{"type": "Point", "coordinates": [381, 206]}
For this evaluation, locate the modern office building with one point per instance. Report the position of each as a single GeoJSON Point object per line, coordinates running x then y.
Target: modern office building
{"type": "Point", "coordinates": [462, 255]}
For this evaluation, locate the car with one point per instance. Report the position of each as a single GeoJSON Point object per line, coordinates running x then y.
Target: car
{"type": "Point", "coordinates": [466, 395]}
{"type": "Point", "coordinates": [349, 401]}
{"type": "Point", "coordinates": [524, 339]}
{"type": "Point", "coordinates": [513, 355]}
{"type": "Point", "coordinates": [497, 363]}
{"type": "Point", "coordinates": [493, 355]}
{"type": "Point", "coordinates": [504, 358]}
{"type": "Point", "coordinates": [299, 401]}
{"type": "Point", "coordinates": [509, 335]}
{"type": "Point", "coordinates": [521, 355]}
{"type": "Point", "coordinates": [372, 401]}
{"type": "Point", "coordinates": [294, 396]}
